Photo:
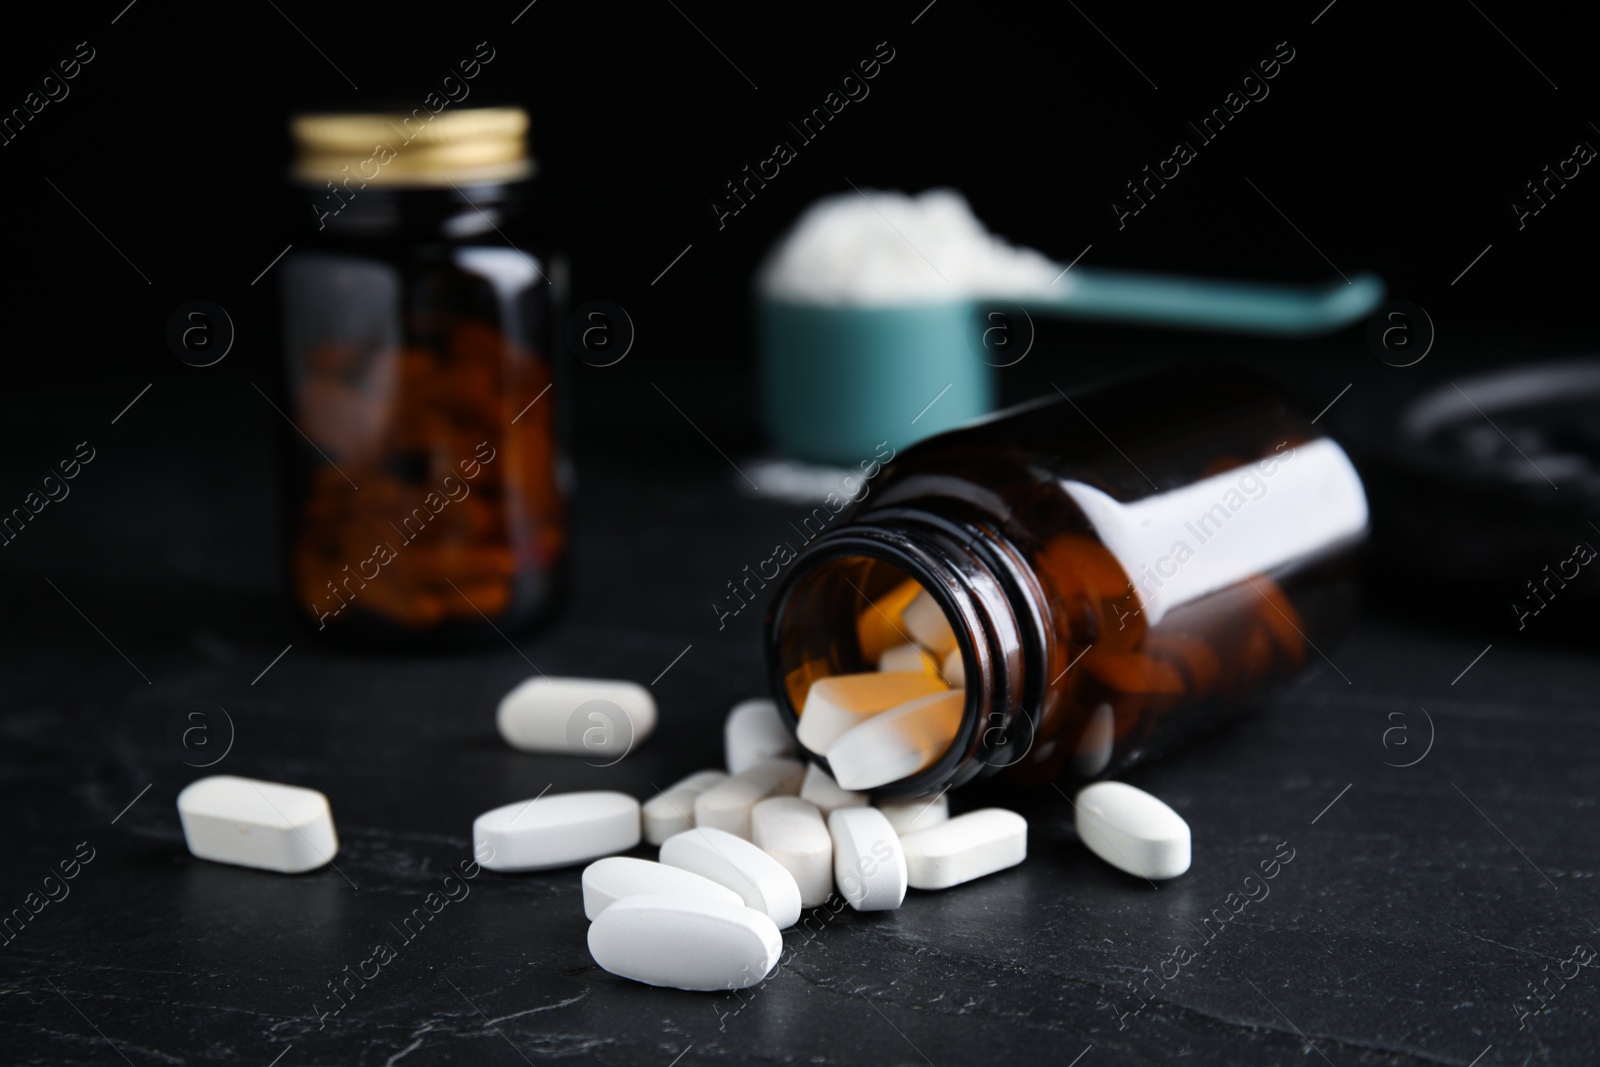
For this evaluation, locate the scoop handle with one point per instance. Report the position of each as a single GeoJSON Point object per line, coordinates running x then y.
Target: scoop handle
{"type": "Point", "coordinates": [1210, 304]}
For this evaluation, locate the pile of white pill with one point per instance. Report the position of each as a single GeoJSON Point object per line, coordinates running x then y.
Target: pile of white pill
{"type": "Point", "coordinates": [841, 252]}
{"type": "Point", "coordinates": [742, 851]}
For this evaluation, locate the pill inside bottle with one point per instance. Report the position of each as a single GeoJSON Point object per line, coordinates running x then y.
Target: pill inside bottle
{"type": "Point", "coordinates": [1061, 609]}
{"type": "Point", "coordinates": [895, 715]}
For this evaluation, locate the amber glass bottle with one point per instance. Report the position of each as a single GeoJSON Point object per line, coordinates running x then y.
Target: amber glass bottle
{"type": "Point", "coordinates": [425, 468]}
{"type": "Point", "coordinates": [1122, 569]}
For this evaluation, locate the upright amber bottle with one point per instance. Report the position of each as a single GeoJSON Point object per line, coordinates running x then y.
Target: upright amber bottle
{"type": "Point", "coordinates": [1122, 570]}
{"type": "Point", "coordinates": [427, 500]}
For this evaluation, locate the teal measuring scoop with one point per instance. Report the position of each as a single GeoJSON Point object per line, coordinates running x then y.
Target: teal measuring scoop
{"type": "Point", "coordinates": [838, 380]}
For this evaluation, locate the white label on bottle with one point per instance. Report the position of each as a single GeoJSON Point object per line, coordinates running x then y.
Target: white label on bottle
{"type": "Point", "coordinates": [1180, 545]}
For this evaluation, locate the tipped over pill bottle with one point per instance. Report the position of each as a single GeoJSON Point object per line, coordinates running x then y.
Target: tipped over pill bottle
{"type": "Point", "coordinates": [1120, 571]}
{"type": "Point", "coordinates": [427, 506]}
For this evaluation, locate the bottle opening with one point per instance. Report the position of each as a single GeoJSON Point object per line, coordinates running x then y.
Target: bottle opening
{"type": "Point", "coordinates": [873, 664]}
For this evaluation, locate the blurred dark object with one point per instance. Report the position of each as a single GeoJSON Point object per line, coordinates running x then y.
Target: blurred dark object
{"type": "Point", "coordinates": [425, 471]}
{"type": "Point", "coordinates": [1485, 492]}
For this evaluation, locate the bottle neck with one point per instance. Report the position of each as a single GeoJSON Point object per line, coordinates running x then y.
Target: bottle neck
{"type": "Point", "coordinates": [986, 591]}
{"type": "Point", "coordinates": [350, 210]}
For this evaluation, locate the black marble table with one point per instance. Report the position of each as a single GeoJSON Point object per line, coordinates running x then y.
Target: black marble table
{"type": "Point", "coordinates": [1432, 913]}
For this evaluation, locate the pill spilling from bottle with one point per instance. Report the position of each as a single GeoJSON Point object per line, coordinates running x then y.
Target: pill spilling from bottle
{"type": "Point", "coordinates": [746, 851]}
{"type": "Point", "coordinates": [1005, 600]}
{"type": "Point", "coordinates": [251, 823]}
{"type": "Point", "coordinates": [1132, 830]}
{"type": "Point", "coordinates": [743, 852]}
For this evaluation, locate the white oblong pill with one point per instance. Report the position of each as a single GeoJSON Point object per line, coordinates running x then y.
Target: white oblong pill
{"type": "Point", "coordinates": [555, 831]}
{"type": "Point", "coordinates": [753, 733]}
{"type": "Point", "coordinates": [899, 742]}
{"type": "Point", "coordinates": [611, 879]}
{"type": "Point", "coordinates": [869, 866]}
{"type": "Point", "coordinates": [760, 880]}
{"type": "Point", "coordinates": [908, 658]}
{"type": "Point", "coordinates": [954, 670]}
{"type": "Point", "coordinates": [1132, 830]}
{"type": "Point", "coordinates": [928, 625]}
{"type": "Point", "coordinates": [791, 831]}
{"type": "Point", "coordinates": [966, 847]}
{"type": "Point", "coordinates": [251, 823]}
{"type": "Point", "coordinates": [726, 805]}
{"type": "Point", "coordinates": [820, 789]}
{"type": "Point", "coordinates": [909, 814]}
{"type": "Point", "coordinates": [684, 943]}
{"type": "Point", "coordinates": [836, 705]}
{"type": "Point", "coordinates": [671, 811]}
{"type": "Point", "coordinates": [594, 717]}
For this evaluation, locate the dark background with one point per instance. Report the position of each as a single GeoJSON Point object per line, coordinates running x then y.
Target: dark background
{"type": "Point", "coordinates": [1396, 141]}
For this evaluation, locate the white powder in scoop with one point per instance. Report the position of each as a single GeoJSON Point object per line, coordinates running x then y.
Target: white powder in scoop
{"type": "Point", "coordinates": [890, 248]}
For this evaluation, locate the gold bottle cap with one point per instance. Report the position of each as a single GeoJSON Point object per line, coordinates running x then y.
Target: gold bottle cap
{"type": "Point", "coordinates": [417, 149]}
